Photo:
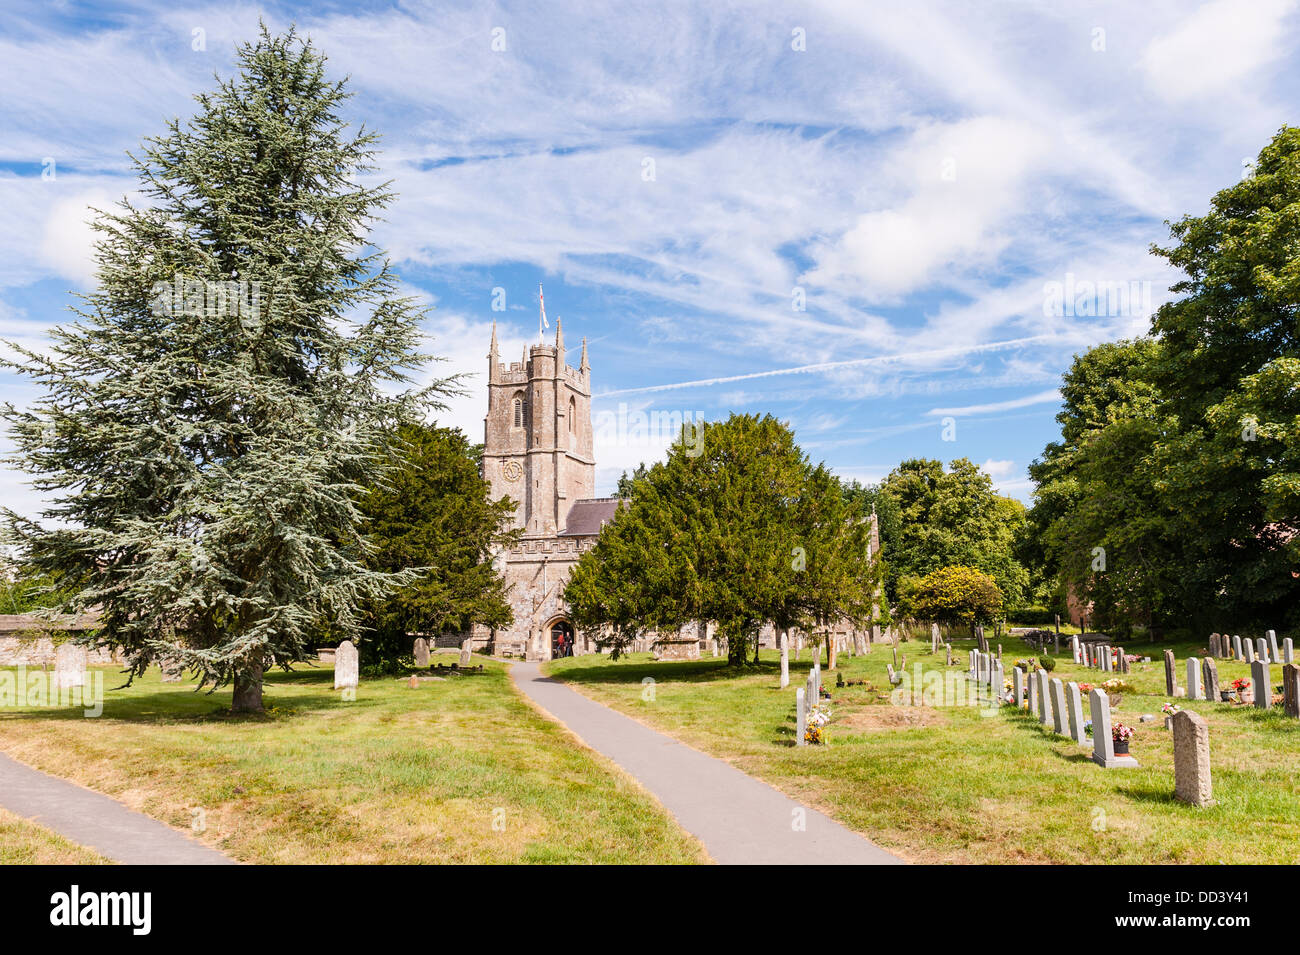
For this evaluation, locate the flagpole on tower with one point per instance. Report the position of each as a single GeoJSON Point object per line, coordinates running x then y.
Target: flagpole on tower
{"type": "Point", "coordinates": [542, 324]}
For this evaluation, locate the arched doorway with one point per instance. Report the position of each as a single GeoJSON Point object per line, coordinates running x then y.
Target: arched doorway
{"type": "Point", "coordinates": [561, 639]}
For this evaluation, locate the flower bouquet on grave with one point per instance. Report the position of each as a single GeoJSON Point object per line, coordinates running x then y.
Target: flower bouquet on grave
{"type": "Point", "coordinates": [1087, 728]}
{"type": "Point", "coordinates": [1169, 709]}
{"type": "Point", "coordinates": [1120, 735]}
{"type": "Point", "coordinates": [815, 732]}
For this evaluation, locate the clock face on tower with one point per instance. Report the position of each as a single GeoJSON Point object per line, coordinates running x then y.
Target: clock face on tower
{"type": "Point", "coordinates": [512, 471]}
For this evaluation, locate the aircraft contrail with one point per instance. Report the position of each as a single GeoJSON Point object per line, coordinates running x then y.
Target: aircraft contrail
{"type": "Point", "coordinates": [830, 365]}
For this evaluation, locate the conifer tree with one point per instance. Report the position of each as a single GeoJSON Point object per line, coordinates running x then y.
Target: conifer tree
{"type": "Point", "coordinates": [209, 418]}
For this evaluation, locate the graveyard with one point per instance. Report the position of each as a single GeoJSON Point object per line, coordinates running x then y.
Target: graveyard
{"type": "Point", "coordinates": [968, 785]}
{"type": "Point", "coordinates": [458, 769]}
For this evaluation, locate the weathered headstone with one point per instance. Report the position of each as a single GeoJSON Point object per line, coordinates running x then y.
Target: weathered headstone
{"type": "Point", "coordinates": [1291, 690]}
{"type": "Point", "coordinates": [172, 669]}
{"type": "Point", "coordinates": [1103, 747]}
{"type": "Point", "coordinates": [996, 684]}
{"type": "Point", "coordinates": [1236, 647]}
{"type": "Point", "coordinates": [949, 646]}
{"type": "Point", "coordinates": [1288, 651]}
{"type": "Point", "coordinates": [1122, 658]}
{"type": "Point", "coordinates": [934, 638]}
{"type": "Point", "coordinates": [70, 666]}
{"type": "Point", "coordinates": [1272, 646]}
{"type": "Point", "coordinates": [465, 653]}
{"type": "Point", "coordinates": [1058, 706]}
{"type": "Point", "coordinates": [345, 666]}
{"type": "Point", "coordinates": [1018, 686]}
{"type": "Point", "coordinates": [421, 652]}
{"type": "Point", "coordinates": [801, 716]}
{"type": "Point", "coordinates": [1075, 704]}
{"type": "Point", "coordinates": [1210, 670]}
{"type": "Point", "coordinates": [1033, 693]}
{"type": "Point", "coordinates": [1194, 679]}
{"type": "Point", "coordinates": [894, 679]}
{"type": "Point", "coordinates": [1171, 680]}
{"type": "Point", "coordinates": [1261, 684]}
{"type": "Point", "coordinates": [1075, 650]}
{"type": "Point", "coordinates": [1261, 650]}
{"type": "Point", "coordinates": [1044, 697]}
{"type": "Point", "coordinates": [1192, 759]}
{"type": "Point", "coordinates": [785, 659]}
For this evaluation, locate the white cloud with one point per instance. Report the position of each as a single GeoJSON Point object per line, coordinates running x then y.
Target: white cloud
{"type": "Point", "coordinates": [998, 469]}
{"type": "Point", "coordinates": [67, 243]}
{"type": "Point", "coordinates": [1216, 48]}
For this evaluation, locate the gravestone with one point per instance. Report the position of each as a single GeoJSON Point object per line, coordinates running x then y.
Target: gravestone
{"type": "Point", "coordinates": [1075, 704]}
{"type": "Point", "coordinates": [949, 646]}
{"type": "Point", "coordinates": [785, 659]}
{"type": "Point", "coordinates": [1171, 681]}
{"type": "Point", "coordinates": [464, 652]}
{"type": "Point", "coordinates": [934, 638]}
{"type": "Point", "coordinates": [1288, 652]}
{"type": "Point", "coordinates": [817, 682]}
{"type": "Point", "coordinates": [1261, 650]}
{"type": "Point", "coordinates": [1075, 651]}
{"type": "Point", "coordinates": [1103, 747]}
{"type": "Point", "coordinates": [999, 653]}
{"type": "Point", "coordinates": [801, 716]}
{"type": "Point", "coordinates": [1291, 690]}
{"type": "Point", "coordinates": [996, 684]}
{"type": "Point", "coordinates": [1210, 670]}
{"type": "Point", "coordinates": [1272, 646]}
{"type": "Point", "coordinates": [1058, 706]}
{"type": "Point", "coordinates": [1044, 698]}
{"type": "Point", "coordinates": [1122, 657]}
{"type": "Point", "coordinates": [1248, 651]}
{"type": "Point", "coordinates": [345, 666]}
{"type": "Point", "coordinates": [1263, 686]}
{"type": "Point", "coordinates": [421, 652]}
{"type": "Point", "coordinates": [70, 666]}
{"type": "Point", "coordinates": [1033, 693]}
{"type": "Point", "coordinates": [1192, 759]}
{"type": "Point", "coordinates": [1194, 679]}
{"type": "Point", "coordinates": [1213, 645]}
{"type": "Point", "coordinates": [1018, 686]}
{"type": "Point", "coordinates": [1236, 647]}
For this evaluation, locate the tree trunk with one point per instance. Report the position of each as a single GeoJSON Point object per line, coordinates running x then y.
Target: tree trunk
{"type": "Point", "coordinates": [248, 691]}
{"type": "Point", "coordinates": [758, 642]}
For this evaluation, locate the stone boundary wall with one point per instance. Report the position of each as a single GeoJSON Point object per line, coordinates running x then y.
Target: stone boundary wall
{"type": "Point", "coordinates": [40, 651]}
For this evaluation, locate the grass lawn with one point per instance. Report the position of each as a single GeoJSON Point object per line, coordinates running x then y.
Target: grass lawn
{"type": "Point", "coordinates": [460, 770]}
{"type": "Point", "coordinates": [949, 784]}
{"type": "Point", "coordinates": [27, 843]}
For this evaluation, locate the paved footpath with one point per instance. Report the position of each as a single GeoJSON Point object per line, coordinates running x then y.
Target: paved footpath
{"type": "Point", "coordinates": [96, 821]}
{"type": "Point", "coordinates": [739, 819]}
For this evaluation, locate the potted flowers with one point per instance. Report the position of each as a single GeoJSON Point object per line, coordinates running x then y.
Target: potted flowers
{"type": "Point", "coordinates": [1120, 735]}
{"type": "Point", "coordinates": [1245, 690]}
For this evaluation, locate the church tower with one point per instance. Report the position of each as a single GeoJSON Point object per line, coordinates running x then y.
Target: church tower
{"type": "Point", "coordinates": [537, 436]}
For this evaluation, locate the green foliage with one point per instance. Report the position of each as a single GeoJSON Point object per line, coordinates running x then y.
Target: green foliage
{"type": "Point", "coordinates": [944, 518]}
{"type": "Point", "coordinates": [1178, 453]}
{"type": "Point", "coordinates": [738, 529]}
{"type": "Point", "coordinates": [202, 442]}
{"type": "Point", "coordinates": [956, 594]}
{"type": "Point", "coordinates": [432, 514]}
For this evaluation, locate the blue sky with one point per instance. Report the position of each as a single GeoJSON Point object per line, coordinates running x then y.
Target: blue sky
{"type": "Point", "coordinates": [926, 179]}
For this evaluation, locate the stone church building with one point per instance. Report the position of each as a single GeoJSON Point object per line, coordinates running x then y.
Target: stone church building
{"type": "Point", "coordinates": [538, 451]}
